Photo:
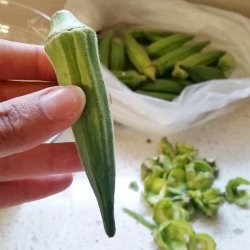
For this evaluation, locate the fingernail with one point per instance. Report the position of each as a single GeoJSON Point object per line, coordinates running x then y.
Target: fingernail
{"type": "Point", "coordinates": [62, 103]}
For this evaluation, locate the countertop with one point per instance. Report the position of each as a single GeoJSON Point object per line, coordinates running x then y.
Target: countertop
{"type": "Point", "coordinates": [71, 219]}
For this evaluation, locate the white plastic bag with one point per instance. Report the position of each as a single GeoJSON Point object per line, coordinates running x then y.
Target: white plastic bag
{"type": "Point", "coordinates": [196, 104]}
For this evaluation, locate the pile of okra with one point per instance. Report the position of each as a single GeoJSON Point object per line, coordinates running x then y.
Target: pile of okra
{"type": "Point", "coordinates": [160, 63]}
{"type": "Point", "coordinates": [178, 187]}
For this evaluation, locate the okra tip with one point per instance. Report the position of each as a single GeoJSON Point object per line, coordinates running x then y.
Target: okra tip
{"type": "Point", "coordinates": [63, 20]}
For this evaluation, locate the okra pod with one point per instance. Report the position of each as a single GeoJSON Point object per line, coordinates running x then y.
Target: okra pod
{"type": "Point", "coordinates": [162, 85]}
{"type": "Point", "coordinates": [167, 44]}
{"type": "Point", "coordinates": [72, 49]}
{"type": "Point", "coordinates": [168, 60]}
{"type": "Point", "coordinates": [139, 32]}
{"type": "Point", "coordinates": [105, 47]}
{"type": "Point", "coordinates": [226, 62]}
{"type": "Point", "coordinates": [197, 59]}
{"type": "Point", "coordinates": [163, 96]}
{"type": "Point", "coordinates": [131, 78]}
{"type": "Point", "coordinates": [139, 57]}
{"type": "Point", "coordinates": [203, 73]}
{"type": "Point", "coordinates": [117, 55]}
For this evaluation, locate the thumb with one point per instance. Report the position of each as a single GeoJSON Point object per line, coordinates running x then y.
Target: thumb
{"type": "Point", "coordinates": [27, 121]}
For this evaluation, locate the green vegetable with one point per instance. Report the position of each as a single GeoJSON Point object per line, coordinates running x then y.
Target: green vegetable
{"type": "Point", "coordinates": [181, 160]}
{"type": "Point", "coordinates": [139, 57]}
{"type": "Point", "coordinates": [186, 149]}
{"type": "Point", "coordinates": [147, 167]}
{"type": "Point", "coordinates": [166, 44]}
{"type": "Point", "coordinates": [162, 85]}
{"type": "Point", "coordinates": [177, 178]}
{"type": "Point", "coordinates": [160, 63]}
{"type": "Point", "coordinates": [166, 163]}
{"type": "Point", "coordinates": [155, 189]}
{"type": "Point", "coordinates": [226, 62]}
{"type": "Point", "coordinates": [72, 49]}
{"type": "Point", "coordinates": [199, 175]}
{"type": "Point", "coordinates": [200, 59]}
{"type": "Point", "coordinates": [139, 218]}
{"type": "Point", "coordinates": [173, 235]}
{"type": "Point", "coordinates": [131, 78]}
{"type": "Point", "coordinates": [166, 148]}
{"type": "Point", "coordinates": [144, 32]}
{"type": "Point", "coordinates": [177, 184]}
{"type": "Point", "coordinates": [203, 73]}
{"type": "Point", "coordinates": [185, 153]}
{"type": "Point", "coordinates": [159, 95]}
{"type": "Point", "coordinates": [207, 202]}
{"type": "Point", "coordinates": [234, 195]}
{"type": "Point", "coordinates": [151, 37]}
{"type": "Point", "coordinates": [105, 47]}
{"type": "Point", "coordinates": [117, 55]}
{"type": "Point", "coordinates": [166, 210]}
{"type": "Point", "coordinates": [134, 186]}
{"type": "Point", "coordinates": [201, 242]}
{"type": "Point", "coordinates": [168, 60]}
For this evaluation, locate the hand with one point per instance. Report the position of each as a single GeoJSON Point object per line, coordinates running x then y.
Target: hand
{"type": "Point", "coordinates": [30, 113]}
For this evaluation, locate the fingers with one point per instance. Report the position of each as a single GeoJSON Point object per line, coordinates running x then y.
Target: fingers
{"type": "Point", "coordinates": [11, 89]}
{"type": "Point", "coordinates": [21, 61]}
{"type": "Point", "coordinates": [46, 159]}
{"type": "Point", "coordinates": [27, 121]}
{"type": "Point", "coordinates": [17, 192]}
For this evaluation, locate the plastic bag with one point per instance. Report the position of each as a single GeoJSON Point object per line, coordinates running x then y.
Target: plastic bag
{"type": "Point", "coordinates": [196, 104]}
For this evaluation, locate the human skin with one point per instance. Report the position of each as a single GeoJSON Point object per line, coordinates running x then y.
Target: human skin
{"type": "Point", "coordinates": [32, 110]}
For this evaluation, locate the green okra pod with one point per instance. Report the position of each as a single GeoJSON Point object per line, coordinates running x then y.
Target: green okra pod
{"type": "Point", "coordinates": [142, 32]}
{"type": "Point", "coordinates": [226, 62]}
{"type": "Point", "coordinates": [139, 57]}
{"type": "Point", "coordinates": [167, 61]}
{"type": "Point", "coordinates": [203, 73]}
{"type": "Point", "coordinates": [162, 85]}
{"type": "Point", "coordinates": [117, 55]}
{"type": "Point", "coordinates": [152, 38]}
{"type": "Point", "coordinates": [105, 47]}
{"type": "Point", "coordinates": [72, 49]}
{"type": "Point", "coordinates": [167, 44]}
{"type": "Point", "coordinates": [197, 59]}
{"type": "Point", "coordinates": [163, 96]}
{"type": "Point", "coordinates": [131, 78]}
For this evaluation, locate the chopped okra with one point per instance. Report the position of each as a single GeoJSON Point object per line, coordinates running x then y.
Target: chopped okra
{"type": "Point", "coordinates": [207, 202]}
{"type": "Point", "coordinates": [134, 186]}
{"type": "Point", "coordinates": [199, 175]}
{"type": "Point", "coordinates": [234, 195]}
{"type": "Point", "coordinates": [166, 210]}
{"type": "Point", "coordinates": [177, 184]}
{"type": "Point", "coordinates": [201, 242]}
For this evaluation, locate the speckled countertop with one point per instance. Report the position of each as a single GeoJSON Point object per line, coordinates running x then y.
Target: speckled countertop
{"type": "Point", "coordinates": [71, 219]}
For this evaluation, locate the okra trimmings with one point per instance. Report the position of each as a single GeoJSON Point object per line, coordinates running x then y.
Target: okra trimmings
{"type": "Point", "coordinates": [72, 49]}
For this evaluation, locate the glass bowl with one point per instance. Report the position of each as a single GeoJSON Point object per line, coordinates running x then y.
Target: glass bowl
{"type": "Point", "coordinates": [21, 23]}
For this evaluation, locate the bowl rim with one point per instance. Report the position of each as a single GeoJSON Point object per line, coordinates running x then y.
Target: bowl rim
{"type": "Point", "coordinates": [24, 6]}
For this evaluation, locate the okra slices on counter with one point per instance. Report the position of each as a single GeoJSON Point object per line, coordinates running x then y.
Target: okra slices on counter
{"type": "Point", "coordinates": [234, 194]}
{"type": "Point", "coordinates": [177, 186]}
{"type": "Point", "coordinates": [72, 49]}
